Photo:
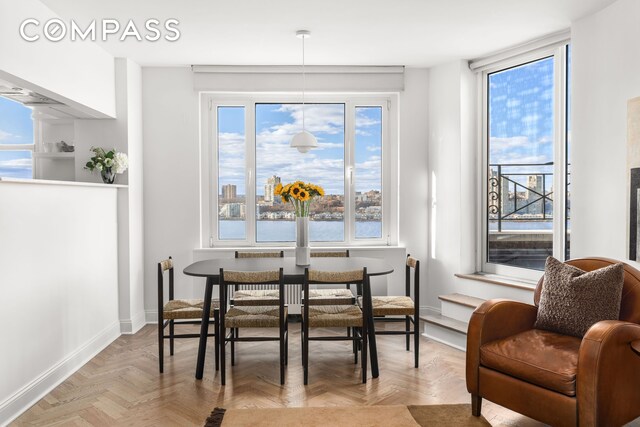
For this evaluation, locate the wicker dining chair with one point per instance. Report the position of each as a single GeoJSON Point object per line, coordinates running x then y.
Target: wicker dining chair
{"type": "Point", "coordinates": [254, 294]}
{"type": "Point", "coordinates": [405, 306]}
{"type": "Point", "coordinates": [179, 312]}
{"type": "Point", "coordinates": [252, 316]}
{"type": "Point", "coordinates": [331, 296]}
{"type": "Point", "coordinates": [334, 316]}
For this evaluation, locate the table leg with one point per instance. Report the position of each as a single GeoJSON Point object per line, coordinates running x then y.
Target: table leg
{"type": "Point", "coordinates": [204, 328]}
{"type": "Point", "coordinates": [373, 349]}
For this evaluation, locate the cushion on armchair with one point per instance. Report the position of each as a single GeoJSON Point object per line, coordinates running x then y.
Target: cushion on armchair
{"type": "Point", "coordinates": [573, 300]}
{"type": "Point", "coordinates": [543, 358]}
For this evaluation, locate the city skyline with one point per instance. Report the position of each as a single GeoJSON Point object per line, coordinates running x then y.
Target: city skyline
{"type": "Point", "coordinates": [330, 207]}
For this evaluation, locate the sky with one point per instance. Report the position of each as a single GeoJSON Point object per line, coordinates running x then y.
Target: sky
{"type": "Point", "coordinates": [276, 124]}
{"type": "Point", "coordinates": [521, 114]}
{"type": "Point", "coordinates": [16, 127]}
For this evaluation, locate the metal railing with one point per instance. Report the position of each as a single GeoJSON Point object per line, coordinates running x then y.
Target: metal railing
{"type": "Point", "coordinates": [504, 188]}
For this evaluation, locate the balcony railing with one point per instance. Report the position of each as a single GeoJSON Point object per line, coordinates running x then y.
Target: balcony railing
{"type": "Point", "coordinates": [509, 199]}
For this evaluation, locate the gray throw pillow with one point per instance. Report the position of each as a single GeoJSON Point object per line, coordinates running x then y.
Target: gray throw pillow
{"type": "Point", "coordinates": [573, 300]}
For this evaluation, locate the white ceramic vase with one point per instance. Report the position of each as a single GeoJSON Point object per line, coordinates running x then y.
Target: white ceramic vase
{"type": "Point", "coordinates": [303, 251]}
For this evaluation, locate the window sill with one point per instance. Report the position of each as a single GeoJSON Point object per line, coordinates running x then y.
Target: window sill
{"type": "Point", "coordinates": [291, 248]}
{"type": "Point", "coordinates": [528, 285]}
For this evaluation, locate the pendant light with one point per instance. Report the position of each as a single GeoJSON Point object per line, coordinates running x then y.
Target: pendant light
{"type": "Point", "coordinates": [303, 141]}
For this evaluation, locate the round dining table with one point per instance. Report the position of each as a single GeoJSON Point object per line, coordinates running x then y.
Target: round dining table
{"type": "Point", "coordinates": [293, 274]}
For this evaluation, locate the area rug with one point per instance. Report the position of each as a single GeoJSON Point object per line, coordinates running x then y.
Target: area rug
{"type": "Point", "coordinates": [352, 416]}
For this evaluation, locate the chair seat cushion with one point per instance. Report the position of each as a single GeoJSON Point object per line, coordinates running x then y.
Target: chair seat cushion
{"type": "Point", "coordinates": [334, 316]}
{"type": "Point", "coordinates": [187, 308]}
{"type": "Point", "coordinates": [543, 358]}
{"type": "Point", "coordinates": [331, 297]}
{"type": "Point", "coordinates": [251, 316]}
{"type": "Point", "coordinates": [390, 305]}
{"type": "Point", "coordinates": [268, 297]}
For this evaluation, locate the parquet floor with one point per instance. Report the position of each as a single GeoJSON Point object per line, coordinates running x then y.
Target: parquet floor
{"type": "Point", "coordinates": [121, 386]}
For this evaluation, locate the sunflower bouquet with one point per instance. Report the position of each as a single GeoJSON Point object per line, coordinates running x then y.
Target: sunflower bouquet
{"type": "Point", "coordinates": [299, 194]}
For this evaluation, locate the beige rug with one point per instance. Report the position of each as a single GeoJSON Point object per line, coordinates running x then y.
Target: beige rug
{"type": "Point", "coordinates": [352, 416]}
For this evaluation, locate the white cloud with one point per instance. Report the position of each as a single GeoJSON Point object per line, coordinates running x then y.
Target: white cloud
{"type": "Point", "coordinates": [16, 168]}
{"type": "Point", "coordinates": [5, 135]}
{"type": "Point", "coordinates": [15, 164]}
{"type": "Point", "coordinates": [373, 148]}
{"type": "Point", "coordinates": [368, 174]}
{"type": "Point", "coordinates": [519, 149]}
{"type": "Point", "coordinates": [231, 153]}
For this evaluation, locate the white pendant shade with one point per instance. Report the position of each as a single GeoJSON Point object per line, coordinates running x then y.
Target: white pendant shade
{"type": "Point", "coordinates": [304, 141]}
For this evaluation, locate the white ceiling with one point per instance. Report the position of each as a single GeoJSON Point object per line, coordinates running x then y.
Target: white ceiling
{"type": "Point", "coordinates": [414, 33]}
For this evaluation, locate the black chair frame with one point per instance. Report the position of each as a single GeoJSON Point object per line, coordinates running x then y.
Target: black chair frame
{"type": "Point", "coordinates": [233, 335]}
{"type": "Point", "coordinates": [409, 320]}
{"type": "Point", "coordinates": [162, 323]}
{"type": "Point", "coordinates": [358, 336]}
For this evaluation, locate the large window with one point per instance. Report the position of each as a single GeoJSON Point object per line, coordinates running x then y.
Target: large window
{"type": "Point", "coordinates": [16, 140]}
{"type": "Point", "coordinates": [526, 133]}
{"type": "Point", "coordinates": [249, 155]}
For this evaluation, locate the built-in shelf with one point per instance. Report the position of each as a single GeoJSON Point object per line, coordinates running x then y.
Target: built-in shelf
{"type": "Point", "coordinates": [54, 155]}
{"type": "Point", "coordinates": [53, 182]}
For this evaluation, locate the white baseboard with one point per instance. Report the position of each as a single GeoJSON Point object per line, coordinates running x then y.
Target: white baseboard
{"type": "Point", "coordinates": [427, 309]}
{"type": "Point", "coordinates": [446, 342]}
{"type": "Point", "coordinates": [151, 316]}
{"type": "Point", "coordinates": [28, 395]}
{"type": "Point", "coordinates": [133, 325]}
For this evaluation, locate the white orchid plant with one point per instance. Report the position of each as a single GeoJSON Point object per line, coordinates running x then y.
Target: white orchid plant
{"type": "Point", "coordinates": [111, 161]}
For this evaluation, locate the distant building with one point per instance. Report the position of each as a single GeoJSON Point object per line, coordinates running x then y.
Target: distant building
{"type": "Point", "coordinates": [269, 189]}
{"type": "Point", "coordinates": [229, 191]}
{"type": "Point", "coordinates": [232, 210]}
{"type": "Point", "coordinates": [534, 194]}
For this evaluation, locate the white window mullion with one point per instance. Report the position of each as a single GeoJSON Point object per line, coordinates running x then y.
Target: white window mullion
{"type": "Point", "coordinates": [559, 153]}
{"type": "Point", "coordinates": [349, 170]}
{"type": "Point", "coordinates": [250, 182]}
{"type": "Point", "coordinates": [208, 164]}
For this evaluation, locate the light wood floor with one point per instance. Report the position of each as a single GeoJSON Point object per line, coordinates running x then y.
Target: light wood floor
{"type": "Point", "coordinates": [122, 386]}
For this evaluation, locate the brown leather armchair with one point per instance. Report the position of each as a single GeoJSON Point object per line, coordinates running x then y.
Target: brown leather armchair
{"type": "Point", "coordinates": [557, 379]}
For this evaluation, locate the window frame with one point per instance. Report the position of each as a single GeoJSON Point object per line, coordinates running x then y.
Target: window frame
{"type": "Point", "coordinates": [210, 101]}
{"type": "Point", "coordinates": [559, 53]}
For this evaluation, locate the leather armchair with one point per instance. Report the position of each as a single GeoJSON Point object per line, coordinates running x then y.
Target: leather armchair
{"type": "Point", "coordinates": [554, 378]}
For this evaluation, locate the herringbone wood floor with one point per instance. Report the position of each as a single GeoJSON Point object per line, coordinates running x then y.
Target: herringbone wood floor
{"type": "Point", "coordinates": [122, 386]}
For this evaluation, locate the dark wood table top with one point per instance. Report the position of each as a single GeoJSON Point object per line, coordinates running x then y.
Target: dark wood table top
{"type": "Point", "coordinates": [293, 273]}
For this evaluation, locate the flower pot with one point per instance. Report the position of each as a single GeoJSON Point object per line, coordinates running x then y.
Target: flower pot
{"type": "Point", "coordinates": [108, 176]}
{"type": "Point", "coordinates": [303, 251]}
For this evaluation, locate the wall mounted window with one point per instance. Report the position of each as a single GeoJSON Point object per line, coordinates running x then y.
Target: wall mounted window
{"type": "Point", "coordinates": [247, 154]}
{"type": "Point", "coordinates": [526, 136]}
{"type": "Point", "coordinates": [16, 140]}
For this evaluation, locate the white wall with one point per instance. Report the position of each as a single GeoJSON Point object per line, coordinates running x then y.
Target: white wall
{"type": "Point", "coordinates": [79, 74]}
{"type": "Point", "coordinates": [59, 283]}
{"type": "Point", "coordinates": [452, 167]}
{"type": "Point", "coordinates": [124, 134]}
{"type": "Point", "coordinates": [136, 195]}
{"type": "Point", "coordinates": [172, 176]}
{"type": "Point", "coordinates": [414, 174]}
{"type": "Point", "coordinates": [605, 74]}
